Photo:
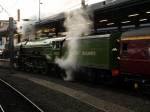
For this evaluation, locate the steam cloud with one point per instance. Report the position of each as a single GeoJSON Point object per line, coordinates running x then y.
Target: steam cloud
{"type": "Point", "coordinates": [27, 28]}
{"type": "Point", "coordinates": [77, 24]}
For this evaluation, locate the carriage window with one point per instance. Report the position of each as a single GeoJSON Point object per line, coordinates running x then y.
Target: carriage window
{"type": "Point", "coordinates": [125, 47]}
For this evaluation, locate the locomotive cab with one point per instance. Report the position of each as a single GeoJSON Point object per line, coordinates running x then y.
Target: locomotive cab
{"type": "Point", "coordinates": [57, 45]}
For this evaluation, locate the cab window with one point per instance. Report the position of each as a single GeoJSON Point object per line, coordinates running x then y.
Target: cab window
{"type": "Point", "coordinates": [56, 45]}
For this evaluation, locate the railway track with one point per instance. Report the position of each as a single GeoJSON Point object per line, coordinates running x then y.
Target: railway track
{"type": "Point", "coordinates": [1, 109]}
{"type": "Point", "coordinates": [14, 101]}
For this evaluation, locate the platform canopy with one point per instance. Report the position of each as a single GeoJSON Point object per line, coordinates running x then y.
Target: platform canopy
{"type": "Point", "coordinates": [123, 16]}
{"type": "Point", "coordinates": [109, 15]}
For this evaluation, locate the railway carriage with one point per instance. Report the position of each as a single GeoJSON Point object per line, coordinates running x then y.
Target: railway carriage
{"type": "Point", "coordinates": [135, 55]}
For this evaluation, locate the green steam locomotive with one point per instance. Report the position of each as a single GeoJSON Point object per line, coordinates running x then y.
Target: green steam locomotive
{"type": "Point", "coordinates": [96, 55]}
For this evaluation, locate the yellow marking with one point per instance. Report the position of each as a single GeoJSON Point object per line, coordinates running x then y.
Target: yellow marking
{"type": "Point", "coordinates": [136, 38]}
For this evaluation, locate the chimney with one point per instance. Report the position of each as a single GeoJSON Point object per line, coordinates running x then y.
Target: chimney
{"type": "Point", "coordinates": [18, 14]}
{"type": "Point", "coordinates": [83, 4]}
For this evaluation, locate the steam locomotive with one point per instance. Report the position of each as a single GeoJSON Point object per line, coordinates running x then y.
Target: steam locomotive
{"type": "Point", "coordinates": [108, 56]}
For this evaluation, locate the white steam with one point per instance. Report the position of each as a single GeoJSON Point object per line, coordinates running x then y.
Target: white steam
{"type": "Point", "coordinates": [77, 24]}
{"type": "Point", "coordinates": [29, 31]}
{"type": "Point", "coordinates": [27, 28]}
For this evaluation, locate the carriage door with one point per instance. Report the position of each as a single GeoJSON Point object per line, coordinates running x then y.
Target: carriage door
{"type": "Point", "coordinates": [124, 56]}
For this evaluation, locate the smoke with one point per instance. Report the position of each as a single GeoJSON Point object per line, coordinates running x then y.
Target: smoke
{"type": "Point", "coordinates": [28, 31]}
{"type": "Point", "coordinates": [27, 28]}
{"type": "Point", "coordinates": [77, 23]}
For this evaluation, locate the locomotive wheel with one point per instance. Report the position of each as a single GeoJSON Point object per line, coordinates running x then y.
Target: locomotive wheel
{"type": "Point", "coordinates": [27, 69]}
{"type": "Point", "coordinates": [44, 69]}
{"type": "Point", "coordinates": [34, 68]}
{"type": "Point", "coordinates": [15, 66]}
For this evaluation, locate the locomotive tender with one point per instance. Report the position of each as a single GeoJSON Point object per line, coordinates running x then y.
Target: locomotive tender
{"type": "Point", "coordinates": [100, 56]}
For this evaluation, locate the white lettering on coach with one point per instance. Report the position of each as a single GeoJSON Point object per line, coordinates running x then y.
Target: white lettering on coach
{"type": "Point", "coordinates": [88, 53]}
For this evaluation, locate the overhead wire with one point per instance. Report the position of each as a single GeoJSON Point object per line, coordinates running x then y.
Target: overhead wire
{"type": "Point", "coordinates": [76, 5]}
{"type": "Point", "coordinates": [3, 9]}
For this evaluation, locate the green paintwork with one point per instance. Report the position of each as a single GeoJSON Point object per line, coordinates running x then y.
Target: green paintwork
{"type": "Point", "coordinates": [96, 51]}
{"type": "Point", "coordinates": [46, 48]}
{"type": "Point", "coordinates": [93, 51]}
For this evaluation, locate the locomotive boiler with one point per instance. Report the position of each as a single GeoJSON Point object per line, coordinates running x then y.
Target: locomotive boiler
{"type": "Point", "coordinates": [37, 55]}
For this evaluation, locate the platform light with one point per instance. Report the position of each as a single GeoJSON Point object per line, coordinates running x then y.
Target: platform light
{"type": "Point", "coordinates": [148, 12]}
{"type": "Point", "coordinates": [110, 24]}
{"type": "Point", "coordinates": [133, 15]}
{"type": "Point", "coordinates": [104, 20]}
{"type": "Point", "coordinates": [125, 22]}
{"type": "Point", "coordinates": [143, 20]}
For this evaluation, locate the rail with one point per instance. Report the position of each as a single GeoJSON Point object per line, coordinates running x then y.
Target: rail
{"type": "Point", "coordinates": [1, 108]}
{"type": "Point", "coordinates": [23, 96]}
